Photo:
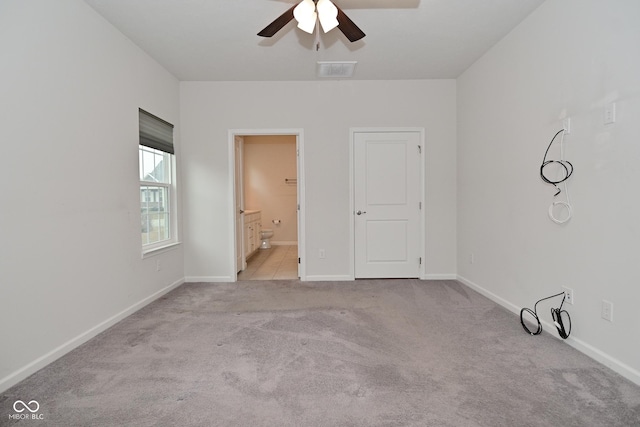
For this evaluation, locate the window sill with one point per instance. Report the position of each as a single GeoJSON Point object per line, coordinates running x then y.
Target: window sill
{"type": "Point", "coordinates": [146, 253]}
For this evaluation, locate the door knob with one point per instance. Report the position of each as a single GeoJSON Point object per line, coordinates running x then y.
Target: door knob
{"type": "Point", "coordinates": [360, 213]}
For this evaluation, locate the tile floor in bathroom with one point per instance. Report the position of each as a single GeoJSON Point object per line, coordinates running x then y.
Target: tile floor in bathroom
{"type": "Point", "coordinates": [276, 263]}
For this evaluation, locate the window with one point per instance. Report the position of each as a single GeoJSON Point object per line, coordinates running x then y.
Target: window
{"type": "Point", "coordinates": [156, 182]}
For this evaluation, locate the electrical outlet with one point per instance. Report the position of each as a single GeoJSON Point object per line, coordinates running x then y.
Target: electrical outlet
{"type": "Point", "coordinates": [610, 113]}
{"type": "Point", "coordinates": [568, 292]}
{"type": "Point", "coordinates": [607, 310]}
{"type": "Point", "coordinates": [472, 258]}
{"type": "Point", "coordinates": [321, 253]}
{"type": "Point", "coordinates": [158, 268]}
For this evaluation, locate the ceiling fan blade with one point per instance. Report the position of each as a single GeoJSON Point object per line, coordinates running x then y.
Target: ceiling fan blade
{"type": "Point", "coordinates": [348, 27]}
{"type": "Point", "coordinates": [278, 23]}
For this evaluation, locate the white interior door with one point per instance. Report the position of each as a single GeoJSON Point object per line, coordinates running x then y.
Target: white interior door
{"type": "Point", "coordinates": [388, 203]}
{"type": "Point", "coordinates": [241, 262]}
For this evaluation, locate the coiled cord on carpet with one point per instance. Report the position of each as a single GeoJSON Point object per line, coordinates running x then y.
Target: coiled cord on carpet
{"type": "Point", "coordinates": [556, 315]}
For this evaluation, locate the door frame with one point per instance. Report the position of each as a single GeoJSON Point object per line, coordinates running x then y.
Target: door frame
{"type": "Point", "coordinates": [239, 141]}
{"type": "Point", "coordinates": [352, 213]}
{"type": "Point", "coordinates": [299, 134]}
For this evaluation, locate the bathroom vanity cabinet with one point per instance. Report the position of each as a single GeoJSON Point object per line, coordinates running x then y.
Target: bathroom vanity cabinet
{"type": "Point", "coordinates": [252, 227]}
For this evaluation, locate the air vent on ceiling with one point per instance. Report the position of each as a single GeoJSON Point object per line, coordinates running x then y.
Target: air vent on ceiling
{"type": "Point", "coordinates": [336, 69]}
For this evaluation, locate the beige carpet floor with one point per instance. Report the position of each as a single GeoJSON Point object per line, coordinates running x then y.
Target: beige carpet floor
{"type": "Point", "coordinates": [288, 353]}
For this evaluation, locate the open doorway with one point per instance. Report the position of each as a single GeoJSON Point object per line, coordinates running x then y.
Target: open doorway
{"type": "Point", "coordinates": [268, 204]}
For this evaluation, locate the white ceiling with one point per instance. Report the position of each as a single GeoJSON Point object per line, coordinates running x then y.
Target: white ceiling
{"type": "Point", "coordinates": [202, 40]}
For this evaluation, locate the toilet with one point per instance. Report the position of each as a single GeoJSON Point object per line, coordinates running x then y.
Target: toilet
{"type": "Point", "coordinates": [265, 235]}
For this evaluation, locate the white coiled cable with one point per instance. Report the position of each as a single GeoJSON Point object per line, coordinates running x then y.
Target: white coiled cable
{"type": "Point", "coordinates": [567, 168]}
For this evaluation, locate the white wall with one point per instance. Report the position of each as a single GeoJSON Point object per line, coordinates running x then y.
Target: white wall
{"type": "Point", "coordinates": [325, 110]}
{"type": "Point", "coordinates": [71, 85]}
{"type": "Point", "coordinates": [570, 57]}
{"type": "Point", "coordinates": [268, 161]}
{"type": "Point", "coordinates": [70, 255]}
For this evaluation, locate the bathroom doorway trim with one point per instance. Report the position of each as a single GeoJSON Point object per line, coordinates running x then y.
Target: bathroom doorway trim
{"type": "Point", "coordinates": [299, 134]}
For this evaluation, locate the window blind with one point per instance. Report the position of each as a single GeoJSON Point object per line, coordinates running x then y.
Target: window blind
{"type": "Point", "coordinates": [155, 132]}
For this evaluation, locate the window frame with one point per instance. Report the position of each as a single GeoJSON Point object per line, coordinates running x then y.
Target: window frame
{"type": "Point", "coordinates": [169, 184]}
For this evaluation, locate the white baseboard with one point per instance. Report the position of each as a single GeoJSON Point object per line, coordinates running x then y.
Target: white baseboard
{"type": "Point", "coordinates": [329, 278]}
{"type": "Point", "coordinates": [493, 297]}
{"type": "Point", "coordinates": [598, 355]}
{"type": "Point", "coordinates": [31, 368]}
{"type": "Point", "coordinates": [451, 276]}
{"type": "Point", "coordinates": [209, 279]}
{"type": "Point", "coordinates": [342, 277]}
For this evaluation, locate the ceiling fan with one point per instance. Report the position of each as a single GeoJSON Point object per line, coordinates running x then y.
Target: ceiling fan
{"type": "Point", "coordinates": [307, 12]}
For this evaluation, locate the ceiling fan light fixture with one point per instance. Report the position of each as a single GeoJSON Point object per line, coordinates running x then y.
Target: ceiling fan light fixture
{"type": "Point", "coordinates": [328, 14]}
{"type": "Point", "coordinates": [305, 14]}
